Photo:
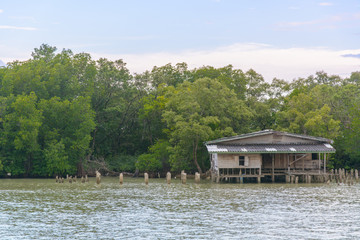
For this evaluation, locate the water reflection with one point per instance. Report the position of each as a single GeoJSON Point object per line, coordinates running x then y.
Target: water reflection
{"type": "Point", "coordinates": [42, 209]}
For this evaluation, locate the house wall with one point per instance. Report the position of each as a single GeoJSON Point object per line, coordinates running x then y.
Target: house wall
{"type": "Point", "coordinates": [281, 162]}
{"type": "Point", "coordinates": [232, 160]}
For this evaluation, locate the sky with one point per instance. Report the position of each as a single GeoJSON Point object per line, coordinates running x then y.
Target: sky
{"type": "Point", "coordinates": [284, 39]}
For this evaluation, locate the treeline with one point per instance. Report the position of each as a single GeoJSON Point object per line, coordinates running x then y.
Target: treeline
{"type": "Point", "coordinates": [64, 113]}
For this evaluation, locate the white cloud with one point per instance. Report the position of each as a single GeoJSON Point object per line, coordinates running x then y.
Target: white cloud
{"type": "Point", "coordinates": [17, 28]}
{"type": "Point", "coordinates": [326, 4]}
{"type": "Point", "coordinates": [1, 11]}
{"type": "Point", "coordinates": [9, 53]}
{"type": "Point", "coordinates": [271, 62]}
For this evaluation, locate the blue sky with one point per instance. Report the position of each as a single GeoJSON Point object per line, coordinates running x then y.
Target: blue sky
{"type": "Point", "coordinates": [283, 39]}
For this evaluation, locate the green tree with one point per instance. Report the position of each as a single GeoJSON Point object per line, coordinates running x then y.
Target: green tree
{"type": "Point", "coordinates": [352, 136]}
{"type": "Point", "coordinates": [199, 111]}
{"type": "Point", "coordinates": [21, 128]}
{"type": "Point", "coordinates": [169, 75]}
{"type": "Point", "coordinates": [56, 159]}
{"type": "Point", "coordinates": [66, 132]}
{"type": "Point", "coordinates": [321, 123]}
{"type": "Point", "coordinates": [45, 52]}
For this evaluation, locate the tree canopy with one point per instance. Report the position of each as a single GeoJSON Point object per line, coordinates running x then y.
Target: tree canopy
{"type": "Point", "coordinates": [64, 113]}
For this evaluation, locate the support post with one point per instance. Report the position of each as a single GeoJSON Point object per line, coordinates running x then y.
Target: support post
{"type": "Point", "coordinates": [241, 178]}
{"type": "Point", "coordinates": [98, 177]}
{"type": "Point", "coordinates": [146, 178]}
{"type": "Point", "coordinates": [292, 179]}
{"type": "Point", "coordinates": [197, 177]}
{"type": "Point", "coordinates": [259, 176]}
{"type": "Point", "coordinates": [288, 161]}
{"type": "Point", "coordinates": [287, 178]}
{"type": "Point", "coordinates": [356, 175]}
{"type": "Point", "coordinates": [272, 167]}
{"type": "Point", "coordinates": [325, 162]}
{"type": "Point", "coordinates": [183, 177]}
{"type": "Point", "coordinates": [121, 178]}
{"type": "Point", "coordinates": [168, 177]}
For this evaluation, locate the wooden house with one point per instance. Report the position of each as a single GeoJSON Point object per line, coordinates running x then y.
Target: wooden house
{"type": "Point", "coordinates": [268, 153]}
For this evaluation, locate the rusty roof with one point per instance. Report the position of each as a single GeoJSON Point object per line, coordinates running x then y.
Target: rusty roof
{"type": "Point", "coordinates": [267, 132]}
{"type": "Point", "coordinates": [271, 148]}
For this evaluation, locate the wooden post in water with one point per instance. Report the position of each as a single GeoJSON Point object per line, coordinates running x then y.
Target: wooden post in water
{"type": "Point", "coordinates": [183, 177]}
{"type": "Point", "coordinates": [197, 177]}
{"type": "Point", "coordinates": [287, 178]}
{"type": "Point", "coordinates": [273, 168]}
{"type": "Point", "coordinates": [296, 179]}
{"type": "Point", "coordinates": [336, 176]}
{"type": "Point", "coordinates": [121, 178]}
{"type": "Point", "coordinates": [146, 178]}
{"type": "Point", "coordinates": [70, 179]}
{"type": "Point", "coordinates": [339, 175]}
{"type": "Point", "coordinates": [168, 177]}
{"type": "Point", "coordinates": [86, 178]}
{"type": "Point", "coordinates": [241, 178]}
{"type": "Point", "coordinates": [57, 179]}
{"type": "Point", "coordinates": [356, 175]}
{"type": "Point", "coordinates": [82, 179]}
{"type": "Point", "coordinates": [98, 177]}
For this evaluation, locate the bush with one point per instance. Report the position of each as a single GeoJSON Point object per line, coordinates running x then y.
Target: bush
{"type": "Point", "coordinates": [122, 163]}
{"type": "Point", "coordinates": [148, 163]}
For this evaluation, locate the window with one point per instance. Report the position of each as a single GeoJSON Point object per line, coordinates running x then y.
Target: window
{"type": "Point", "coordinates": [241, 160]}
{"type": "Point", "coordinates": [314, 156]}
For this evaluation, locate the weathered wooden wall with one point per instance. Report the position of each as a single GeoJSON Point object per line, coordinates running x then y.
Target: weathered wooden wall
{"type": "Point", "coordinates": [232, 160]}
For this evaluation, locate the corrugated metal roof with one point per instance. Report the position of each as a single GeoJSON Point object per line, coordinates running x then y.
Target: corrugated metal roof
{"type": "Point", "coordinates": [272, 148]}
{"type": "Point", "coordinates": [266, 132]}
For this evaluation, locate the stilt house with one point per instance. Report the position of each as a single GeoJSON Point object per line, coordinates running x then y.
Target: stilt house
{"type": "Point", "coordinates": [268, 153]}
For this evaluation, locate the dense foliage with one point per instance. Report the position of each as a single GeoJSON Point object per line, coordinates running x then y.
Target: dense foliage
{"type": "Point", "coordinates": [64, 113]}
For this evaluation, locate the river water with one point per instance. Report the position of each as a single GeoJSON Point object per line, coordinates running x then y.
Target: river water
{"type": "Point", "coordinates": [43, 209]}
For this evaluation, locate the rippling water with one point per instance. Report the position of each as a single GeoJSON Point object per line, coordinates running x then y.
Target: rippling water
{"type": "Point", "coordinates": [42, 209]}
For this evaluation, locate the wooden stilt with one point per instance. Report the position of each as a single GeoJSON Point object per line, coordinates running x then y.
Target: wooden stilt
{"type": "Point", "coordinates": [272, 168]}
{"type": "Point", "coordinates": [197, 177]}
{"type": "Point", "coordinates": [146, 178]}
{"type": "Point", "coordinates": [259, 179]}
{"type": "Point", "coordinates": [183, 177]}
{"type": "Point", "coordinates": [287, 178]}
{"type": "Point", "coordinates": [356, 175]}
{"type": "Point", "coordinates": [98, 177]}
{"type": "Point", "coordinates": [168, 177]}
{"type": "Point", "coordinates": [121, 178]}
